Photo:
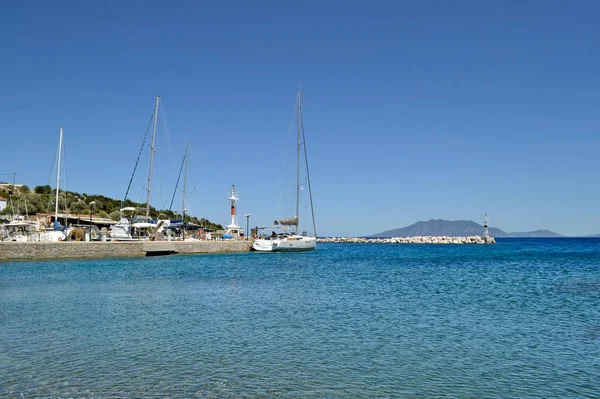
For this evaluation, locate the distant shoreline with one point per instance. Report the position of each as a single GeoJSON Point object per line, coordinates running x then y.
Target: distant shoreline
{"type": "Point", "coordinates": [438, 239]}
{"type": "Point", "coordinates": [413, 240]}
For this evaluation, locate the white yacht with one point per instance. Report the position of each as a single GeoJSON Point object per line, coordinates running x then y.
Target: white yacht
{"type": "Point", "coordinates": [133, 228]}
{"type": "Point", "coordinates": [138, 227]}
{"type": "Point", "coordinates": [290, 239]}
{"type": "Point", "coordinates": [281, 242]}
{"type": "Point", "coordinates": [20, 230]}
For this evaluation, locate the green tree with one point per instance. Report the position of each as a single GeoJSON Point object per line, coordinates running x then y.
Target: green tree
{"type": "Point", "coordinates": [78, 207]}
{"type": "Point", "coordinates": [24, 189]}
{"type": "Point", "coordinates": [43, 189]}
{"type": "Point", "coordinates": [33, 203]}
{"type": "Point", "coordinates": [31, 209]}
{"type": "Point", "coordinates": [8, 210]}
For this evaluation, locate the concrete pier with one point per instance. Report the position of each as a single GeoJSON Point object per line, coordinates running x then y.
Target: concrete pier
{"type": "Point", "coordinates": [115, 249]}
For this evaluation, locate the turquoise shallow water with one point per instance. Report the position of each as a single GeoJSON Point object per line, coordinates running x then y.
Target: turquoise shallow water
{"type": "Point", "coordinates": [519, 319]}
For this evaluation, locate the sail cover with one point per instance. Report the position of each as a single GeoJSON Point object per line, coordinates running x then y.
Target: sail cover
{"type": "Point", "coordinates": [288, 222]}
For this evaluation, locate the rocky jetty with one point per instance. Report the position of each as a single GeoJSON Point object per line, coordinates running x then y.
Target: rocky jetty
{"type": "Point", "coordinates": [414, 240]}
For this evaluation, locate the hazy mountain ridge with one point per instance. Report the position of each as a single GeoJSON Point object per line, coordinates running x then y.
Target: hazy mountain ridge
{"type": "Point", "coordinates": [456, 228]}
{"type": "Point", "coordinates": [534, 233]}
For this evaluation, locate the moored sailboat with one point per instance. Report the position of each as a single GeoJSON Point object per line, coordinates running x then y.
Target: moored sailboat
{"type": "Point", "coordinates": [138, 227]}
{"type": "Point", "coordinates": [58, 234]}
{"type": "Point", "coordinates": [19, 229]}
{"type": "Point", "coordinates": [291, 240]}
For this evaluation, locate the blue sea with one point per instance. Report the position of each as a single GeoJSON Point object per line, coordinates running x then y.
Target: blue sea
{"type": "Point", "coordinates": [519, 319]}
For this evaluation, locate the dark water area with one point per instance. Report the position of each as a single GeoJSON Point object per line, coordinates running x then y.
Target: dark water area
{"type": "Point", "coordinates": [519, 319]}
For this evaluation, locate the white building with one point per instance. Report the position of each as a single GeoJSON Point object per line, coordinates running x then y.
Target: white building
{"type": "Point", "coordinates": [2, 204]}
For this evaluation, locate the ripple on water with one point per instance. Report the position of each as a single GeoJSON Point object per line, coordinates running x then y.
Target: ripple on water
{"type": "Point", "coordinates": [519, 319]}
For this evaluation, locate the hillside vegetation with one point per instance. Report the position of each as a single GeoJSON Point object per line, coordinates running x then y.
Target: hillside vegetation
{"type": "Point", "coordinates": [42, 200]}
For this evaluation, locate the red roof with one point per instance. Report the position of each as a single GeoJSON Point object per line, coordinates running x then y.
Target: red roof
{"type": "Point", "coordinates": [2, 199]}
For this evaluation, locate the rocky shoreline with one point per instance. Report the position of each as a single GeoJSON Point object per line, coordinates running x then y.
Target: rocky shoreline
{"type": "Point", "coordinates": [413, 240]}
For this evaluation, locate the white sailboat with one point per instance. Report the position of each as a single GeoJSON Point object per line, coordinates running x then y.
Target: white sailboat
{"type": "Point", "coordinates": [180, 225]}
{"type": "Point", "coordinates": [183, 202]}
{"type": "Point", "coordinates": [18, 228]}
{"type": "Point", "coordinates": [138, 227]}
{"type": "Point", "coordinates": [57, 234]}
{"type": "Point", "coordinates": [22, 230]}
{"type": "Point", "coordinates": [291, 240]}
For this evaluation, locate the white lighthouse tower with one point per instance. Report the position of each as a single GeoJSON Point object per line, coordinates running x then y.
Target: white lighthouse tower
{"type": "Point", "coordinates": [486, 233]}
{"type": "Point", "coordinates": [233, 228]}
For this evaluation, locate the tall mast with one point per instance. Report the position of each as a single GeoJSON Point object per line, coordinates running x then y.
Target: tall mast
{"type": "Point", "coordinates": [58, 173]}
{"type": "Point", "coordinates": [152, 157]}
{"type": "Point", "coordinates": [187, 149]}
{"type": "Point", "coordinates": [13, 193]}
{"type": "Point", "coordinates": [312, 208]}
{"type": "Point", "coordinates": [298, 162]}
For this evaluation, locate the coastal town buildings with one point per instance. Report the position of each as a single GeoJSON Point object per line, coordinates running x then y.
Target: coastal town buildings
{"type": "Point", "coordinates": [10, 188]}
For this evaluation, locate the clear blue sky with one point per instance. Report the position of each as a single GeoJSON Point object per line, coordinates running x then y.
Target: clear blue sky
{"type": "Point", "coordinates": [413, 110]}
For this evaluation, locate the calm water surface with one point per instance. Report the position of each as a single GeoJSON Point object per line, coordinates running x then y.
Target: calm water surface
{"type": "Point", "coordinates": [519, 319]}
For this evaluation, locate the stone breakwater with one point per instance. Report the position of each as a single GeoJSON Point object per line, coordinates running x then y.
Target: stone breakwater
{"type": "Point", "coordinates": [414, 240]}
{"type": "Point", "coordinates": [63, 250]}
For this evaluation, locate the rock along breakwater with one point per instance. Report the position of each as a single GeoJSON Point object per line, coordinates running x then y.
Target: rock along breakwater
{"type": "Point", "coordinates": [413, 240]}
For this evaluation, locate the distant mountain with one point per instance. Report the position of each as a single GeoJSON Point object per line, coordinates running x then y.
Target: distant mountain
{"type": "Point", "coordinates": [535, 233]}
{"type": "Point", "coordinates": [456, 228]}
{"type": "Point", "coordinates": [593, 235]}
{"type": "Point", "coordinates": [440, 227]}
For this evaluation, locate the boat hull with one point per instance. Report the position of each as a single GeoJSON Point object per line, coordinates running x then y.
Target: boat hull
{"type": "Point", "coordinates": [29, 231]}
{"type": "Point", "coordinates": [287, 244]}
